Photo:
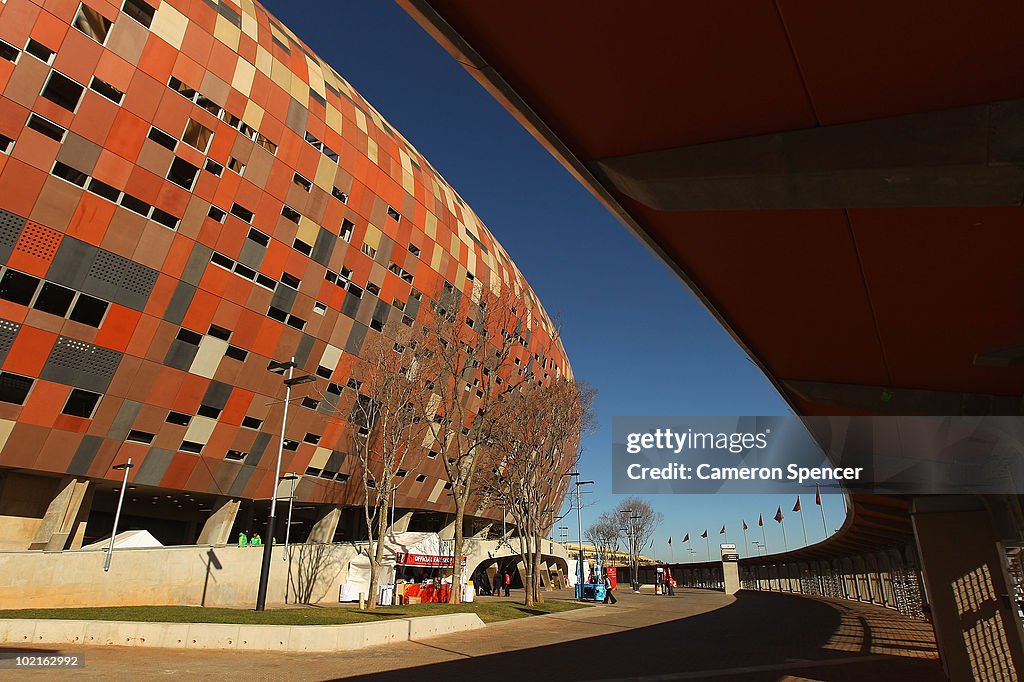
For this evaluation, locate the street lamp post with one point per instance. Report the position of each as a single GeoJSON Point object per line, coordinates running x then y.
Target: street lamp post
{"type": "Point", "coordinates": [287, 556]}
{"type": "Point", "coordinates": [632, 538]}
{"type": "Point", "coordinates": [268, 545]}
{"type": "Point", "coordinates": [579, 529]}
{"type": "Point", "coordinates": [117, 515]}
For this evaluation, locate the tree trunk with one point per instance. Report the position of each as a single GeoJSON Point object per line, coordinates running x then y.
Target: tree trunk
{"type": "Point", "coordinates": [377, 555]}
{"type": "Point", "coordinates": [528, 575]}
{"type": "Point", "coordinates": [537, 598]}
{"type": "Point", "coordinates": [456, 594]}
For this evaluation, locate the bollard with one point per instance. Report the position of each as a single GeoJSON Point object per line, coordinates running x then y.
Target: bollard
{"type": "Point", "coordinates": [362, 602]}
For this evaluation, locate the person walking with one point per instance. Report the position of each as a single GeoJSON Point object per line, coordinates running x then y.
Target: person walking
{"type": "Point", "coordinates": [609, 593]}
{"type": "Point", "coordinates": [508, 582]}
{"type": "Point", "coordinates": [497, 584]}
{"type": "Point", "coordinates": [243, 539]}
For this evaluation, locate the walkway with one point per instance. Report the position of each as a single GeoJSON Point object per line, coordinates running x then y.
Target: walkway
{"type": "Point", "coordinates": [694, 635]}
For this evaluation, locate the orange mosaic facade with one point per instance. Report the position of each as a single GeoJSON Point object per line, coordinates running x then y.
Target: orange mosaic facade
{"type": "Point", "coordinates": [187, 193]}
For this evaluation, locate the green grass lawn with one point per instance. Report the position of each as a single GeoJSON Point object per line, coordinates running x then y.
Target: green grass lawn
{"type": "Point", "coordinates": [489, 612]}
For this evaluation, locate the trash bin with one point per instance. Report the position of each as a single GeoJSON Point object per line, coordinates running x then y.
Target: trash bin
{"type": "Point", "coordinates": [387, 596]}
{"type": "Point", "coordinates": [468, 592]}
{"type": "Point", "coordinates": [599, 592]}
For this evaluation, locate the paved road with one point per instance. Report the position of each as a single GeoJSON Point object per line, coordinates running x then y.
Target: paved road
{"type": "Point", "coordinates": [695, 635]}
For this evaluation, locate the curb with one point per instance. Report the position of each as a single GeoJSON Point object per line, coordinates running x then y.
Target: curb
{"type": "Point", "coordinates": [234, 636]}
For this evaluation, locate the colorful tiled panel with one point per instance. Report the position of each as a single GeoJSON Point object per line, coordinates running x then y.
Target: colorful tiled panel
{"type": "Point", "coordinates": [188, 192]}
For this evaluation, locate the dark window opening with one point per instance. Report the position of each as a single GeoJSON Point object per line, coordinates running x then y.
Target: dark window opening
{"type": "Point", "coordinates": [106, 90]}
{"type": "Point", "coordinates": [236, 353]}
{"type": "Point", "coordinates": [311, 438]}
{"type": "Point", "coordinates": [302, 182]}
{"type": "Point", "coordinates": [334, 388]}
{"type": "Point", "coordinates": [189, 336]}
{"type": "Point", "coordinates": [241, 212]}
{"type": "Point", "coordinates": [92, 23]}
{"type": "Point", "coordinates": [245, 271]}
{"type": "Point", "coordinates": [212, 166]}
{"type": "Point", "coordinates": [324, 372]}
{"type": "Point", "coordinates": [376, 325]}
{"type": "Point", "coordinates": [236, 165]}
{"type": "Point", "coordinates": [290, 280]}
{"type": "Point", "coordinates": [341, 478]}
{"type": "Point", "coordinates": [54, 299]}
{"type": "Point", "coordinates": [392, 213]}
{"type": "Point", "coordinates": [290, 213]}
{"type": "Point", "coordinates": [182, 89]}
{"type": "Point", "coordinates": [48, 128]}
{"type": "Point", "coordinates": [81, 403]}
{"type": "Point", "coordinates": [65, 172]}
{"type": "Point", "coordinates": [347, 228]}
{"type": "Point", "coordinates": [414, 250]}
{"type": "Point", "coordinates": [265, 281]}
{"type": "Point", "coordinates": [302, 247]}
{"type": "Point", "coordinates": [291, 444]}
{"type": "Point", "coordinates": [310, 403]}
{"type": "Point", "coordinates": [104, 190]}
{"type": "Point", "coordinates": [258, 237]}
{"type": "Point", "coordinates": [236, 455]}
{"type": "Point", "coordinates": [182, 173]}
{"type": "Point", "coordinates": [191, 447]}
{"type": "Point", "coordinates": [179, 418]}
{"type": "Point", "coordinates": [14, 388]}
{"type": "Point", "coordinates": [275, 313]}
{"type": "Point", "coordinates": [339, 195]}
{"type": "Point", "coordinates": [8, 51]}
{"type": "Point", "coordinates": [135, 205]}
{"type": "Point", "coordinates": [217, 214]}
{"type": "Point", "coordinates": [165, 218]}
{"type": "Point", "coordinates": [139, 11]}
{"type": "Point", "coordinates": [162, 138]}
{"type": "Point", "coordinates": [18, 287]}
{"type": "Point", "coordinates": [140, 437]}
{"type": "Point", "coordinates": [39, 51]}
{"type": "Point", "coordinates": [296, 322]}
{"type": "Point", "coordinates": [208, 411]}
{"type": "Point", "coordinates": [421, 477]}
{"type": "Point", "coordinates": [252, 422]}
{"type": "Point", "coordinates": [88, 310]}
{"type": "Point", "coordinates": [219, 332]}
{"type": "Point", "coordinates": [62, 91]}
{"type": "Point", "coordinates": [222, 260]}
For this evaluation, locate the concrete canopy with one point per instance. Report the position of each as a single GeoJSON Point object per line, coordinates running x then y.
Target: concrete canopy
{"type": "Point", "coordinates": [838, 182]}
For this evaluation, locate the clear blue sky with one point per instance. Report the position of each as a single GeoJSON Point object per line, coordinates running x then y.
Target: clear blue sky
{"type": "Point", "coordinates": [657, 354]}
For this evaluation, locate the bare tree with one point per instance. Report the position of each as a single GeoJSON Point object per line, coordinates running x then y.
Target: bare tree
{"type": "Point", "coordinates": [640, 522]}
{"type": "Point", "coordinates": [464, 362]}
{"type": "Point", "coordinates": [538, 442]}
{"type": "Point", "coordinates": [384, 428]}
{"type": "Point", "coordinates": [605, 534]}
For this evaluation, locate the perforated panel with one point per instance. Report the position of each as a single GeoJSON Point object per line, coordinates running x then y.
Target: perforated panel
{"type": "Point", "coordinates": [81, 364]}
{"type": "Point", "coordinates": [38, 241]}
{"type": "Point", "coordinates": [109, 268]}
{"type": "Point", "coordinates": [138, 279]}
{"type": "Point", "coordinates": [8, 330]}
{"type": "Point", "coordinates": [10, 228]}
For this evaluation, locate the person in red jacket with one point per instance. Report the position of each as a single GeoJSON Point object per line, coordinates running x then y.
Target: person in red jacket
{"type": "Point", "coordinates": [507, 579]}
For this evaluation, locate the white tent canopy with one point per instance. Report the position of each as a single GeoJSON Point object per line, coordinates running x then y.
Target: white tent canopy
{"type": "Point", "coordinates": [127, 540]}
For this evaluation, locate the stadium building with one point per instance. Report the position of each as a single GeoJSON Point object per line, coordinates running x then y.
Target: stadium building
{"type": "Point", "coordinates": [188, 193]}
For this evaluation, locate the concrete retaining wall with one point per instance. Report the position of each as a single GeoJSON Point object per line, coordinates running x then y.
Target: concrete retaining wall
{"type": "Point", "coordinates": [223, 636]}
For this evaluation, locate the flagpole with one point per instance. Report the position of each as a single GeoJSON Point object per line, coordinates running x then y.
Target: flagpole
{"type": "Point", "coordinates": [764, 534]}
{"type": "Point", "coordinates": [746, 540]}
{"type": "Point", "coordinates": [785, 542]}
{"type": "Point", "coordinates": [804, 525]}
{"type": "Point", "coordinates": [707, 544]}
{"type": "Point", "coordinates": [821, 504]}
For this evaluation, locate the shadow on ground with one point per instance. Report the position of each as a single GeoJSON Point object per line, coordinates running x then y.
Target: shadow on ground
{"type": "Point", "coordinates": [762, 636]}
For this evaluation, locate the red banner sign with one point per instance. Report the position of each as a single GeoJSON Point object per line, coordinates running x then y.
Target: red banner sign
{"type": "Point", "coordinates": [428, 560]}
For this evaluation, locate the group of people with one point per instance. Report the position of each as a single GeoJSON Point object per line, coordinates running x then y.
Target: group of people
{"type": "Point", "coordinates": [488, 588]}
{"type": "Point", "coordinates": [244, 541]}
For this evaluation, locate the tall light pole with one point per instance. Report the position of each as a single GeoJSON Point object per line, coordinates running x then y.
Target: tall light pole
{"type": "Point", "coordinates": [632, 538]}
{"type": "Point", "coordinates": [287, 556]}
{"type": "Point", "coordinates": [268, 545]}
{"type": "Point", "coordinates": [117, 514]}
{"type": "Point", "coordinates": [579, 529]}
